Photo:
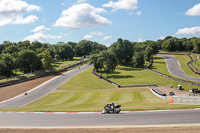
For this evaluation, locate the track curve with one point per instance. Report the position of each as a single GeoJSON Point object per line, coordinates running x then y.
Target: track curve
{"type": "Point", "coordinates": [175, 69]}
{"type": "Point", "coordinates": [42, 90]}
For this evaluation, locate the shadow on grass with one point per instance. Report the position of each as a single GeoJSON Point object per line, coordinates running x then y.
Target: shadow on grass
{"type": "Point", "coordinates": [159, 62]}
{"type": "Point", "coordinates": [156, 58]}
{"type": "Point", "coordinates": [119, 76]}
{"type": "Point", "coordinates": [131, 69]}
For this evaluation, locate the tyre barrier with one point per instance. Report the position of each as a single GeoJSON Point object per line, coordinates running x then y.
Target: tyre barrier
{"type": "Point", "coordinates": [158, 92]}
{"type": "Point", "coordinates": [44, 75]}
{"type": "Point", "coordinates": [120, 86]}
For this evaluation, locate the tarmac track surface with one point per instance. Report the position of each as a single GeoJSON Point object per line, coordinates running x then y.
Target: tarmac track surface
{"type": "Point", "coordinates": [175, 69]}
{"type": "Point", "coordinates": [131, 119]}
{"type": "Point", "coordinates": [42, 90]}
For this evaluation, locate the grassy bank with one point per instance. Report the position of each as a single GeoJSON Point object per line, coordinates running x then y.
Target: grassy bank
{"type": "Point", "coordinates": [86, 92]}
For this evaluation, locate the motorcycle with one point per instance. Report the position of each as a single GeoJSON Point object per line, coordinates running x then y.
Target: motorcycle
{"type": "Point", "coordinates": [111, 109]}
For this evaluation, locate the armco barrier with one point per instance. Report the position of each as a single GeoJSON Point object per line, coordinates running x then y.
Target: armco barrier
{"type": "Point", "coordinates": [121, 86]}
{"type": "Point", "coordinates": [46, 74]}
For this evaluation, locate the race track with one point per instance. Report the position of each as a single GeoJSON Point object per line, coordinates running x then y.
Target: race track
{"type": "Point", "coordinates": [61, 119]}
{"type": "Point", "coordinates": [175, 69]}
{"type": "Point", "coordinates": [99, 120]}
{"type": "Point", "coordinates": [42, 90]}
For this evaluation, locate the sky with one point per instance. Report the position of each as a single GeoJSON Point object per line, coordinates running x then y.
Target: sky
{"type": "Point", "coordinates": [102, 21]}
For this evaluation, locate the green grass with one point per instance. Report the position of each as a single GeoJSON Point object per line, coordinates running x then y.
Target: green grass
{"type": "Point", "coordinates": [86, 81]}
{"type": "Point", "coordinates": [183, 60]}
{"type": "Point", "coordinates": [130, 76]}
{"type": "Point", "coordinates": [86, 92]}
{"type": "Point", "coordinates": [130, 99]}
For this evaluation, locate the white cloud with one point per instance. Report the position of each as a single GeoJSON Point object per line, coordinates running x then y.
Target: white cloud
{"type": "Point", "coordinates": [12, 12]}
{"type": "Point", "coordinates": [96, 33]}
{"type": "Point", "coordinates": [92, 34]}
{"type": "Point", "coordinates": [140, 40]}
{"type": "Point", "coordinates": [107, 38]}
{"type": "Point", "coordinates": [82, 16]}
{"type": "Point", "coordinates": [80, 1]}
{"type": "Point", "coordinates": [41, 36]}
{"type": "Point", "coordinates": [161, 38]}
{"type": "Point", "coordinates": [138, 13]}
{"type": "Point", "coordinates": [194, 11]}
{"type": "Point", "coordinates": [40, 29]}
{"type": "Point", "coordinates": [122, 4]}
{"type": "Point", "coordinates": [184, 31]}
{"type": "Point", "coordinates": [28, 20]}
{"type": "Point", "coordinates": [88, 36]}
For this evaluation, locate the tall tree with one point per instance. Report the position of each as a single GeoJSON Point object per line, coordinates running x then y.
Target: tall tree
{"type": "Point", "coordinates": [27, 61]}
{"type": "Point", "coordinates": [124, 51]}
{"type": "Point", "coordinates": [138, 60]}
{"type": "Point", "coordinates": [46, 60]}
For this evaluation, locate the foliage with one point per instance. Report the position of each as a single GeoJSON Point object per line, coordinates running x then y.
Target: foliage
{"type": "Point", "coordinates": [26, 56]}
{"type": "Point", "coordinates": [138, 60]}
{"type": "Point", "coordinates": [106, 60]}
{"type": "Point", "coordinates": [46, 60]}
{"type": "Point", "coordinates": [27, 61]}
{"type": "Point", "coordinates": [124, 51]}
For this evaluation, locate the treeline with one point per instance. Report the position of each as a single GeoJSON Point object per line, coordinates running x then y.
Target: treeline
{"type": "Point", "coordinates": [172, 44]}
{"type": "Point", "coordinates": [28, 57]}
{"type": "Point", "coordinates": [124, 52]}
{"type": "Point", "coordinates": [134, 54]}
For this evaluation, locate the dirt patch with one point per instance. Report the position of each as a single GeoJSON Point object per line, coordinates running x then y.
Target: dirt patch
{"type": "Point", "coordinates": [17, 89]}
{"type": "Point", "coordinates": [166, 90]}
{"type": "Point", "coordinates": [183, 129]}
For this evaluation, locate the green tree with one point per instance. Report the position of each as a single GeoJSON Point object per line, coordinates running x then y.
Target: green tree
{"type": "Point", "coordinates": [46, 60]}
{"type": "Point", "coordinates": [27, 61]}
{"type": "Point", "coordinates": [196, 44]}
{"type": "Point", "coordinates": [6, 64]}
{"type": "Point", "coordinates": [110, 61]}
{"type": "Point", "coordinates": [148, 54]}
{"type": "Point", "coordinates": [124, 51]}
{"type": "Point", "coordinates": [65, 52]}
{"type": "Point", "coordinates": [138, 61]}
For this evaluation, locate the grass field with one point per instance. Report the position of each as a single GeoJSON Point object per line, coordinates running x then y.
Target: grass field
{"type": "Point", "coordinates": [130, 76]}
{"type": "Point", "coordinates": [86, 92]}
{"type": "Point", "coordinates": [130, 99]}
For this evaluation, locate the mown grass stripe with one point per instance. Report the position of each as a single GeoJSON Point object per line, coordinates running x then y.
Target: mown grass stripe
{"type": "Point", "coordinates": [64, 96]}
{"type": "Point", "coordinates": [115, 96]}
